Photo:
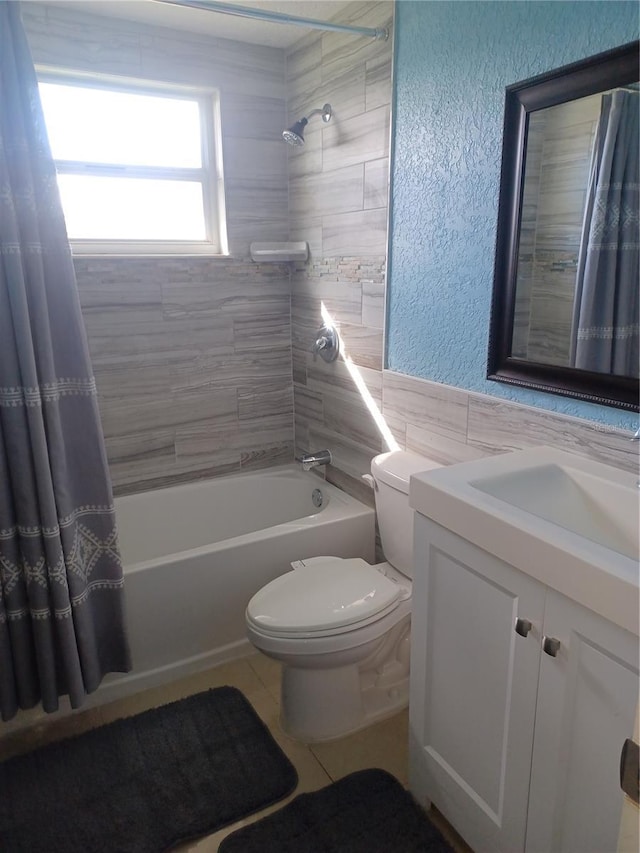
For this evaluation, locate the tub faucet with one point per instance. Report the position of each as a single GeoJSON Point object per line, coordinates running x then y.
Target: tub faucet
{"type": "Point", "coordinates": [313, 460]}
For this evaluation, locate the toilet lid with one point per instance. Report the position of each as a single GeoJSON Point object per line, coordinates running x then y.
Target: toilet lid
{"type": "Point", "coordinates": [325, 597]}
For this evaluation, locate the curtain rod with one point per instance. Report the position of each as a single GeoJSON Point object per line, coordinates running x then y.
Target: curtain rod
{"type": "Point", "coordinates": [278, 17]}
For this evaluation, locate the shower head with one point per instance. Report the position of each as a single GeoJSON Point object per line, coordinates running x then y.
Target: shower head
{"type": "Point", "coordinates": [295, 134]}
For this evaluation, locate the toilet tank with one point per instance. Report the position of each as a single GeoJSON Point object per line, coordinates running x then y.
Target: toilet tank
{"type": "Point", "coordinates": [391, 472]}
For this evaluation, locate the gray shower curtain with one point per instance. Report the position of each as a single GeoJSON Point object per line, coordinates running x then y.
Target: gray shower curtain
{"type": "Point", "coordinates": [605, 319]}
{"type": "Point", "coordinates": [61, 582]}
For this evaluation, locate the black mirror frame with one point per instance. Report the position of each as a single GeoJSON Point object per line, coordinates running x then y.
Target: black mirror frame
{"type": "Point", "coordinates": [598, 73]}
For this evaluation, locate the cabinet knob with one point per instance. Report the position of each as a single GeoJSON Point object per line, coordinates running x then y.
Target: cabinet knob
{"type": "Point", "coordinates": [523, 626]}
{"type": "Point", "coordinates": [630, 770]}
{"type": "Point", "coordinates": [550, 646]}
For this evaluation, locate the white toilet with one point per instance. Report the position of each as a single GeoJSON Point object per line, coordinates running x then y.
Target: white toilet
{"type": "Point", "coordinates": [341, 627]}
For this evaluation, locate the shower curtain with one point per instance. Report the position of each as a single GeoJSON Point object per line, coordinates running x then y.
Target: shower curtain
{"type": "Point", "coordinates": [61, 582]}
{"type": "Point", "coordinates": [605, 319]}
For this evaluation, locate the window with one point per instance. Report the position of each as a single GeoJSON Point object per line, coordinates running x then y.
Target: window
{"type": "Point", "coordinates": [139, 168]}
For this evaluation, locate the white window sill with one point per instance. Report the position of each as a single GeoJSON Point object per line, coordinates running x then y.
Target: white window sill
{"type": "Point", "coordinates": [145, 249]}
{"type": "Point", "coordinates": [147, 255]}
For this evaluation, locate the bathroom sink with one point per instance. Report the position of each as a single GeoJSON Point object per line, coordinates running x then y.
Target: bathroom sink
{"type": "Point", "coordinates": [601, 510]}
{"type": "Point", "coordinates": [571, 523]}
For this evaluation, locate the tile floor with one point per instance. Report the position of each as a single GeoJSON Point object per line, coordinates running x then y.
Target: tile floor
{"type": "Point", "coordinates": [381, 745]}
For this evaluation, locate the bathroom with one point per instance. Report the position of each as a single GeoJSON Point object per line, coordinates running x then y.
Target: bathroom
{"type": "Point", "coordinates": [203, 365]}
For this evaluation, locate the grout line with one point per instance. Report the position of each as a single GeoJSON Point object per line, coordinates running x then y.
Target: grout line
{"type": "Point", "coordinates": [319, 760]}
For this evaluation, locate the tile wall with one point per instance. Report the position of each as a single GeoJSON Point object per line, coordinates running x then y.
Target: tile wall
{"type": "Point", "coordinates": [192, 356]}
{"type": "Point", "coordinates": [338, 195]}
{"type": "Point", "coordinates": [192, 359]}
{"type": "Point", "coordinates": [451, 425]}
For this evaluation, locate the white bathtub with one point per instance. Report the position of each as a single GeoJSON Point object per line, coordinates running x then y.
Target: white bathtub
{"type": "Point", "coordinates": [195, 554]}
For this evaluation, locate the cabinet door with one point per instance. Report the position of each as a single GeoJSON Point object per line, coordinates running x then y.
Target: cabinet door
{"type": "Point", "coordinates": [473, 687]}
{"type": "Point", "coordinates": [629, 835]}
{"type": "Point", "coordinates": [587, 703]}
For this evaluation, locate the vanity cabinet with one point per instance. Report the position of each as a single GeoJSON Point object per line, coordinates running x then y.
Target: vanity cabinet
{"type": "Point", "coordinates": [521, 701]}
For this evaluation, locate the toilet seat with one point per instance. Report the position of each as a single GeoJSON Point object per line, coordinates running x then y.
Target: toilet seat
{"type": "Point", "coordinates": [331, 597]}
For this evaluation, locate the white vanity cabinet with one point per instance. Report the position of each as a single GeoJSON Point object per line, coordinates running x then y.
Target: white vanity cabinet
{"type": "Point", "coordinates": [518, 747]}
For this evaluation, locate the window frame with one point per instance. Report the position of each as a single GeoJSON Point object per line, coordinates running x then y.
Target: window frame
{"type": "Point", "coordinates": [210, 174]}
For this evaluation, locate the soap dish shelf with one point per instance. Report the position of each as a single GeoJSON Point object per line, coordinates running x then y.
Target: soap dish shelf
{"type": "Point", "coordinates": [277, 253]}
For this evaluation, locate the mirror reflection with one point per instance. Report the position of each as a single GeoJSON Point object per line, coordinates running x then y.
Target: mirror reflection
{"type": "Point", "coordinates": [576, 298]}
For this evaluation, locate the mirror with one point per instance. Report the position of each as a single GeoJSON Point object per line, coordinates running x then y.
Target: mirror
{"type": "Point", "coordinates": [564, 315]}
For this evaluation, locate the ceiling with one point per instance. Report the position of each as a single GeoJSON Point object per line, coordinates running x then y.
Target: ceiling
{"type": "Point", "coordinates": [214, 23]}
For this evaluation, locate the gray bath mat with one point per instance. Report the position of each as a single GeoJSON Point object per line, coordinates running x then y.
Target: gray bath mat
{"type": "Point", "coordinates": [366, 812]}
{"type": "Point", "coordinates": [143, 784]}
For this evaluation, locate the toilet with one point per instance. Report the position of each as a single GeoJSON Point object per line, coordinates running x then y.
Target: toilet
{"type": "Point", "coordinates": [341, 627]}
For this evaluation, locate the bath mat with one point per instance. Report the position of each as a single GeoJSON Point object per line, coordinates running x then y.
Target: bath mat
{"type": "Point", "coordinates": [366, 812]}
{"type": "Point", "coordinates": [142, 784]}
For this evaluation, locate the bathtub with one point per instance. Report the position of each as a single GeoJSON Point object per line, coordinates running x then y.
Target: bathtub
{"type": "Point", "coordinates": [195, 554]}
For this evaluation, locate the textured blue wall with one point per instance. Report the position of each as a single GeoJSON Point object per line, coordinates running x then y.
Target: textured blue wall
{"type": "Point", "coordinates": [453, 61]}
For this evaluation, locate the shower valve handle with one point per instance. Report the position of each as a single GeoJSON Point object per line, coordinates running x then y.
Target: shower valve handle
{"type": "Point", "coordinates": [319, 345]}
{"type": "Point", "coordinates": [327, 343]}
